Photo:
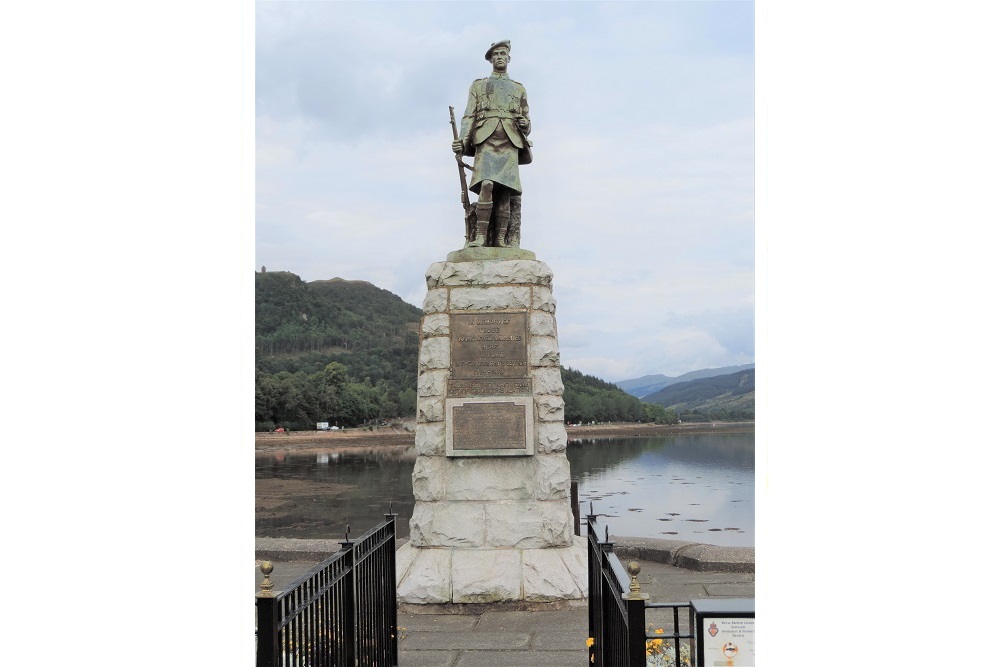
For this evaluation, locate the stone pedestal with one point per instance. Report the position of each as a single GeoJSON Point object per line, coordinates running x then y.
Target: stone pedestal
{"type": "Point", "coordinates": [492, 520]}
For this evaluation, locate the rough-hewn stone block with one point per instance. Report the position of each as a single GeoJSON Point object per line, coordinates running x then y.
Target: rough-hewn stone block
{"type": "Point", "coordinates": [436, 301]}
{"type": "Point", "coordinates": [576, 562]}
{"type": "Point", "coordinates": [543, 300]}
{"type": "Point", "coordinates": [428, 580]}
{"type": "Point", "coordinates": [430, 409]}
{"type": "Point", "coordinates": [429, 439]}
{"type": "Point", "coordinates": [529, 524]}
{"type": "Point", "coordinates": [447, 524]}
{"type": "Point", "coordinates": [549, 408]}
{"type": "Point", "coordinates": [552, 477]}
{"type": "Point", "coordinates": [490, 479]}
{"type": "Point", "coordinates": [547, 381]}
{"type": "Point", "coordinates": [428, 478]}
{"type": "Point", "coordinates": [433, 275]}
{"type": "Point", "coordinates": [432, 383]}
{"type": "Point", "coordinates": [543, 351]}
{"type": "Point", "coordinates": [489, 575]}
{"type": "Point", "coordinates": [511, 272]}
{"type": "Point", "coordinates": [435, 353]}
{"type": "Point", "coordinates": [546, 577]}
{"type": "Point", "coordinates": [490, 298]}
{"type": "Point", "coordinates": [404, 559]}
{"type": "Point", "coordinates": [551, 437]}
{"type": "Point", "coordinates": [437, 324]}
{"type": "Point", "coordinates": [542, 324]}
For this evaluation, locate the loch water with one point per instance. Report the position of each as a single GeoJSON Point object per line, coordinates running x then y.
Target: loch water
{"type": "Point", "coordinates": [697, 487]}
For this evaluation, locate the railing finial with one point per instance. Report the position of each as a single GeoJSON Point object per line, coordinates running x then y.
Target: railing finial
{"type": "Point", "coordinates": [633, 588]}
{"type": "Point", "coordinates": [267, 585]}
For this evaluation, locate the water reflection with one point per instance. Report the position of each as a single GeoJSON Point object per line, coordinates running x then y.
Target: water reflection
{"type": "Point", "coordinates": [316, 495]}
{"type": "Point", "coordinates": [695, 487]}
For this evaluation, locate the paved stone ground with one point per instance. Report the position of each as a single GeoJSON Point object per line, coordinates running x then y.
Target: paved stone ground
{"type": "Point", "coordinates": [529, 638]}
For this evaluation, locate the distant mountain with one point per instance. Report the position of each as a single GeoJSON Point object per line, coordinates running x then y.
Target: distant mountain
{"type": "Point", "coordinates": [645, 385]}
{"type": "Point", "coordinates": [650, 384]}
{"type": "Point", "coordinates": [590, 399]}
{"type": "Point", "coordinates": [719, 397]}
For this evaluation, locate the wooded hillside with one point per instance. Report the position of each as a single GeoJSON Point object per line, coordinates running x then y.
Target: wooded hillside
{"type": "Point", "coordinates": [345, 352]}
{"type": "Point", "coordinates": [342, 351]}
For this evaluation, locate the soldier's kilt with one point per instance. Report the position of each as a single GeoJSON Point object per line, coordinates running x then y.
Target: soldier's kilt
{"type": "Point", "coordinates": [496, 160]}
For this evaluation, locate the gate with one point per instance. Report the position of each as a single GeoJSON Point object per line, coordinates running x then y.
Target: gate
{"type": "Point", "coordinates": [341, 613]}
{"type": "Point", "coordinates": [617, 611]}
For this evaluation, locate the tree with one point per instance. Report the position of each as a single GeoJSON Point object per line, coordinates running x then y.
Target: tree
{"type": "Point", "coordinates": [407, 402]}
{"type": "Point", "coordinates": [358, 404]}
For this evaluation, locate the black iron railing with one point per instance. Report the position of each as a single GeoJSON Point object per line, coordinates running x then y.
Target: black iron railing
{"type": "Point", "coordinates": [617, 612]}
{"type": "Point", "coordinates": [341, 613]}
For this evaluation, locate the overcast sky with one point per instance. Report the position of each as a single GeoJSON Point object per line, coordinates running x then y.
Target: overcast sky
{"type": "Point", "coordinates": [640, 196]}
{"type": "Point", "coordinates": [128, 245]}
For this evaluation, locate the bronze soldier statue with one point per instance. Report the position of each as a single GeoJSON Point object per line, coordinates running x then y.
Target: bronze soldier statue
{"type": "Point", "coordinates": [495, 128]}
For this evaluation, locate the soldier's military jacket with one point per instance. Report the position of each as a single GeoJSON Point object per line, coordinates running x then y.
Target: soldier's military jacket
{"type": "Point", "coordinates": [490, 131]}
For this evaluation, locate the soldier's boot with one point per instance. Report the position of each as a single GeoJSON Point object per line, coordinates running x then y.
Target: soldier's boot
{"type": "Point", "coordinates": [503, 222]}
{"type": "Point", "coordinates": [483, 210]}
{"type": "Point", "coordinates": [513, 239]}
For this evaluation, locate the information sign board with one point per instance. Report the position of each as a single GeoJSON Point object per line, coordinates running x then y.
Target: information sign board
{"type": "Point", "coordinates": [724, 632]}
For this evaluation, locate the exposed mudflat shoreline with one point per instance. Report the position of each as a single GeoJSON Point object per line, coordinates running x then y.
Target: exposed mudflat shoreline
{"type": "Point", "coordinates": [399, 436]}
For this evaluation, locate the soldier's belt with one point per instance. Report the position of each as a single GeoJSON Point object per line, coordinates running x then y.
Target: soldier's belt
{"type": "Point", "coordinates": [499, 114]}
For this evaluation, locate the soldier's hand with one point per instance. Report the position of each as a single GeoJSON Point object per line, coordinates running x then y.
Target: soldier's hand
{"type": "Point", "coordinates": [456, 145]}
{"type": "Point", "coordinates": [522, 123]}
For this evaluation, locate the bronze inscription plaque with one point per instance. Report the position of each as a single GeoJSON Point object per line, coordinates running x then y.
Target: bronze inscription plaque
{"type": "Point", "coordinates": [488, 426]}
{"type": "Point", "coordinates": [489, 345]}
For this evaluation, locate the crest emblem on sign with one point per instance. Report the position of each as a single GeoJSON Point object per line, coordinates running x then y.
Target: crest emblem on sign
{"type": "Point", "coordinates": [713, 630]}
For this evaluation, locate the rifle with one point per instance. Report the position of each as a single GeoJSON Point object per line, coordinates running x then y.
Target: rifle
{"type": "Point", "coordinates": [470, 224]}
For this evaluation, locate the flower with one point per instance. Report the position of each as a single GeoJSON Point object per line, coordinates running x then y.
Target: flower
{"type": "Point", "coordinates": [590, 642]}
{"type": "Point", "coordinates": [661, 652]}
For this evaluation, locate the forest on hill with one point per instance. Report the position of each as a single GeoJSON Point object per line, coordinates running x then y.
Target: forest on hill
{"type": "Point", "coordinates": [591, 399]}
{"type": "Point", "coordinates": [345, 352]}
{"type": "Point", "coordinates": [342, 351]}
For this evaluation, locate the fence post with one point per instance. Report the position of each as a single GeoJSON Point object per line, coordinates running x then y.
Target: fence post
{"type": "Point", "coordinates": [607, 550]}
{"type": "Point", "coordinates": [268, 640]}
{"type": "Point", "coordinates": [350, 580]}
{"type": "Point", "coordinates": [593, 590]}
{"type": "Point", "coordinates": [393, 616]}
{"type": "Point", "coordinates": [635, 606]}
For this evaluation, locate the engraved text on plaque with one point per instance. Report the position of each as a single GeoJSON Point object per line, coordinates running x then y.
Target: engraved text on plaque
{"type": "Point", "coordinates": [490, 426]}
{"type": "Point", "coordinates": [489, 345]}
{"type": "Point", "coordinates": [490, 387]}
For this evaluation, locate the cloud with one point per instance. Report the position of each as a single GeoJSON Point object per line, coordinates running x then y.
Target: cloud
{"type": "Point", "coordinates": [640, 197]}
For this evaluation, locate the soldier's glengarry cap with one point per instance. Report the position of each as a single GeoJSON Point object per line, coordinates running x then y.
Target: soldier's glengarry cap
{"type": "Point", "coordinates": [503, 42]}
